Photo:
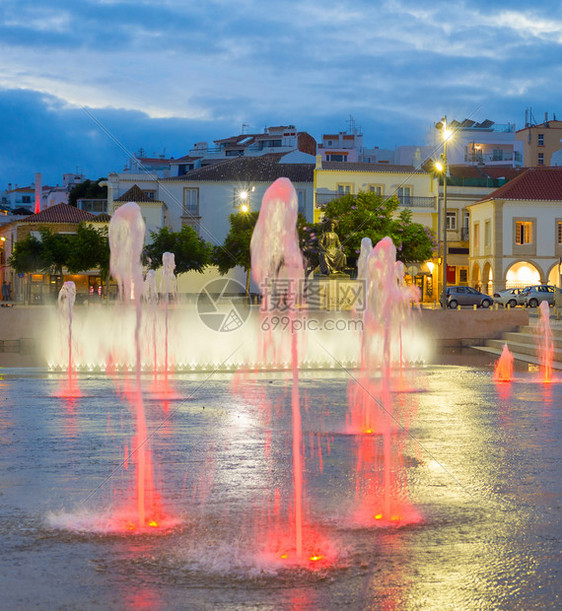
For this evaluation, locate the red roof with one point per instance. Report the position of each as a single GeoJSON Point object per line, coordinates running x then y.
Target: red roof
{"type": "Point", "coordinates": [541, 183]}
{"type": "Point", "coordinates": [60, 213]}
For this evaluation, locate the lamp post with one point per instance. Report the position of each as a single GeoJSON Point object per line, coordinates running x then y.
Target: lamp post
{"type": "Point", "coordinates": [441, 166]}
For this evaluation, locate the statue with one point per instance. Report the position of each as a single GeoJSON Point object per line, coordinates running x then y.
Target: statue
{"type": "Point", "coordinates": [331, 257]}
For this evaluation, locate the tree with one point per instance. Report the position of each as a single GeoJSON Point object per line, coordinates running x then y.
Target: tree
{"type": "Point", "coordinates": [374, 216]}
{"type": "Point", "coordinates": [236, 247]}
{"type": "Point", "coordinates": [88, 189]}
{"type": "Point", "coordinates": [27, 256]}
{"type": "Point", "coordinates": [90, 250]}
{"type": "Point", "coordinates": [56, 250]}
{"type": "Point", "coordinates": [191, 252]}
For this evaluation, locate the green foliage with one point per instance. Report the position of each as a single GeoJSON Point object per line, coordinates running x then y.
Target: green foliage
{"type": "Point", "coordinates": [89, 189]}
{"type": "Point", "coordinates": [373, 216]}
{"type": "Point", "coordinates": [27, 256]}
{"type": "Point", "coordinates": [191, 252]}
{"type": "Point", "coordinates": [90, 250]}
{"type": "Point", "coordinates": [236, 248]}
{"type": "Point", "coordinates": [80, 252]}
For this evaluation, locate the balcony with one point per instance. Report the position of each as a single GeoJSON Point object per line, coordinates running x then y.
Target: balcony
{"type": "Point", "coordinates": [406, 201]}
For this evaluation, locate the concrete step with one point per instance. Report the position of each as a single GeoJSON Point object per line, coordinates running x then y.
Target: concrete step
{"type": "Point", "coordinates": [524, 345]}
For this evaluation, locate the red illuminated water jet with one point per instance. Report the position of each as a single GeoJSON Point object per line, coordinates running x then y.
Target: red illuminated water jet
{"type": "Point", "coordinates": [503, 371]}
{"type": "Point", "coordinates": [381, 485]}
{"type": "Point", "coordinates": [126, 238]}
{"type": "Point", "coordinates": [277, 266]}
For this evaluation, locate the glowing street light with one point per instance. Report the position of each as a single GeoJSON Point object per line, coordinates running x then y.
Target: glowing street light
{"type": "Point", "coordinates": [441, 167]}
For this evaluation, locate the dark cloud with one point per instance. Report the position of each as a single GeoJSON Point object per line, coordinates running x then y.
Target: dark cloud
{"type": "Point", "coordinates": [395, 65]}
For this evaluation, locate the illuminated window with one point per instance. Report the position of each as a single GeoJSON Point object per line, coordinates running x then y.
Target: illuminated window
{"type": "Point", "coordinates": [523, 232]}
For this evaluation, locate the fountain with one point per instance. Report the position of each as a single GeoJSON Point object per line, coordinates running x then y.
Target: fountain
{"type": "Point", "coordinates": [371, 406]}
{"type": "Point", "coordinates": [66, 300]}
{"type": "Point", "coordinates": [277, 266]}
{"type": "Point", "coordinates": [314, 541]}
{"type": "Point", "coordinates": [545, 342]}
{"type": "Point", "coordinates": [126, 240]}
{"type": "Point", "coordinates": [503, 371]}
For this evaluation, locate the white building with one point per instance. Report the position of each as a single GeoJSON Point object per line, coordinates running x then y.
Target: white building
{"type": "Point", "coordinates": [516, 232]}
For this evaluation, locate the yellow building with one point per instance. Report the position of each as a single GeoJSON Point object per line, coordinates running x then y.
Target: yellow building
{"type": "Point", "coordinates": [416, 190]}
{"type": "Point", "coordinates": [540, 143]}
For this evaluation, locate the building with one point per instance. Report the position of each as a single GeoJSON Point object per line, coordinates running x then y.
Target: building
{"type": "Point", "coordinates": [18, 197]}
{"type": "Point", "coordinates": [416, 189]}
{"type": "Point", "coordinates": [478, 143]}
{"type": "Point", "coordinates": [516, 232]}
{"type": "Point", "coordinates": [466, 184]}
{"type": "Point", "coordinates": [154, 211]}
{"type": "Point", "coordinates": [542, 143]}
{"type": "Point", "coordinates": [37, 288]}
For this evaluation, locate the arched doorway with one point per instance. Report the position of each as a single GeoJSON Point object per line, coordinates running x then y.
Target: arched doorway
{"type": "Point", "coordinates": [554, 275]}
{"type": "Point", "coordinates": [476, 277]}
{"type": "Point", "coordinates": [522, 274]}
{"type": "Point", "coordinates": [487, 279]}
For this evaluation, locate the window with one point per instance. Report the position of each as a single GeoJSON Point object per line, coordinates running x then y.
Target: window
{"type": "Point", "coordinates": [540, 160]}
{"type": "Point", "coordinates": [559, 232]}
{"type": "Point", "coordinates": [378, 189]}
{"type": "Point", "coordinates": [344, 189]}
{"type": "Point", "coordinates": [463, 274]}
{"type": "Point", "coordinates": [301, 195]}
{"type": "Point", "coordinates": [451, 220]}
{"type": "Point", "coordinates": [190, 201]}
{"type": "Point", "coordinates": [404, 194]}
{"type": "Point", "coordinates": [487, 233]}
{"type": "Point", "coordinates": [476, 236]}
{"type": "Point", "coordinates": [26, 199]}
{"type": "Point", "coordinates": [523, 232]}
{"type": "Point", "coordinates": [338, 157]}
{"type": "Point", "coordinates": [540, 139]}
{"type": "Point", "coordinates": [150, 194]}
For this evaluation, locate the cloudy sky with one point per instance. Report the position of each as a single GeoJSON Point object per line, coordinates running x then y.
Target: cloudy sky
{"type": "Point", "coordinates": [84, 83]}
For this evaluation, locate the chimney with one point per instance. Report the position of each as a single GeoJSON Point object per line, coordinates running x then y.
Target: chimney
{"type": "Point", "coordinates": [38, 192]}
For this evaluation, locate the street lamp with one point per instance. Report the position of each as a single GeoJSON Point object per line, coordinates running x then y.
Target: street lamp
{"type": "Point", "coordinates": [441, 166]}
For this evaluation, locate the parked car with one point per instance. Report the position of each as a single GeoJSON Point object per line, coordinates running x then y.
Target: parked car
{"type": "Point", "coordinates": [510, 297]}
{"type": "Point", "coordinates": [464, 295]}
{"type": "Point", "coordinates": [534, 295]}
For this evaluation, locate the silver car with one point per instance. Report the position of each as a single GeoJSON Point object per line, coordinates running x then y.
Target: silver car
{"type": "Point", "coordinates": [464, 295]}
{"type": "Point", "coordinates": [510, 297]}
{"type": "Point", "coordinates": [534, 295]}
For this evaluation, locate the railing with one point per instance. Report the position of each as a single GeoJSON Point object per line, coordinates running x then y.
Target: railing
{"type": "Point", "coordinates": [406, 201]}
{"type": "Point", "coordinates": [491, 157]}
{"type": "Point", "coordinates": [92, 205]}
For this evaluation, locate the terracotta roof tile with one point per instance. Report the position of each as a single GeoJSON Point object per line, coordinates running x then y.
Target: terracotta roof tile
{"type": "Point", "coordinates": [60, 213]}
{"type": "Point", "coordinates": [541, 183]}
{"type": "Point", "coordinates": [134, 194]}
{"type": "Point", "coordinates": [352, 166]}
{"type": "Point", "coordinates": [265, 168]}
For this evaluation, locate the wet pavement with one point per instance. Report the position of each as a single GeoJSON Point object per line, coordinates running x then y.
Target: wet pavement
{"type": "Point", "coordinates": [481, 463]}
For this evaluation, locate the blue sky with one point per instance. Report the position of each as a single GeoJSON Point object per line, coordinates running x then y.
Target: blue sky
{"type": "Point", "coordinates": [82, 83]}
